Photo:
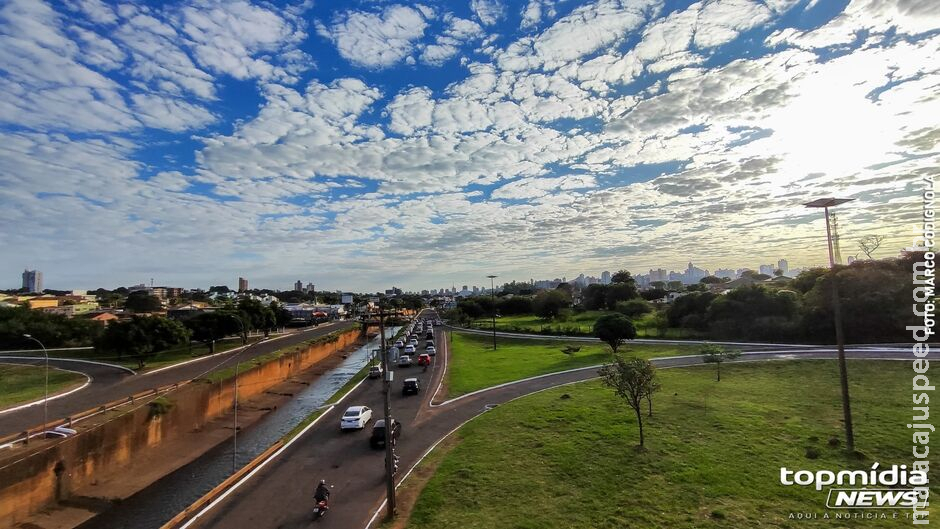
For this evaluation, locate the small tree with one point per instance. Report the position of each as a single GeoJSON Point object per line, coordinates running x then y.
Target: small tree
{"type": "Point", "coordinates": [869, 243]}
{"type": "Point", "coordinates": [716, 354]}
{"type": "Point", "coordinates": [548, 304]}
{"type": "Point", "coordinates": [141, 301]}
{"type": "Point", "coordinates": [633, 380]}
{"type": "Point", "coordinates": [211, 326]}
{"type": "Point", "coordinates": [614, 329]}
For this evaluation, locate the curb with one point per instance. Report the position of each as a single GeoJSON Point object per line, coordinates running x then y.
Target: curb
{"type": "Point", "coordinates": [88, 381]}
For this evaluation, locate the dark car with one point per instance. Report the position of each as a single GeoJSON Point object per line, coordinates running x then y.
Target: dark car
{"type": "Point", "coordinates": [429, 336]}
{"type": "Point", "coordinates": [410, 386]}
{"type": "Point", "coordinates": [377, 440]}
{"type": "Point", "coordinates": [375, 371]}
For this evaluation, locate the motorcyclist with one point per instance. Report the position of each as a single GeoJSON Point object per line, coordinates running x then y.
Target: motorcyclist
{"type": "Point", "coordinates": [323, 492]}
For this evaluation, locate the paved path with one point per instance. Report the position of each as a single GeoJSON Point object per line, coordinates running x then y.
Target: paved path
{"type": "Point", "coordinates": [111, 384]}
{"type": "Point", "coordinates": [279, 495]}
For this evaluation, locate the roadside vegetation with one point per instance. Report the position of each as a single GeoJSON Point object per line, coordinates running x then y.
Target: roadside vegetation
{"type": "Point", "coordinates": [20, 384]}
{"type": "Point", "coordinates": [566, 457]}
{"type": "Point", "coordinates": [474, 365]}
{"type": "Point", "coordinates": [875, 296]}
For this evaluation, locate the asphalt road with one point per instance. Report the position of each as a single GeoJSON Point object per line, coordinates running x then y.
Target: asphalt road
{"type": "Point", "coordinates": [110, 383]}
{"type": "Point", "coordinates": [280, 494]}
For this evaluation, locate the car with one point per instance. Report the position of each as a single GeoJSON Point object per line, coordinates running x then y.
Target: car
{"type": "Point", "coordinates": [410, 386]}
{"type": "Point", "coordinates": [404, 361]}
{"type": "Point", "coordinates": [375, 371]}
{"type": "Point", "coordinates": [429, 336]}
{"type": "Point", "coordinates": [410, 349]}
{"type": "Point", "coordinates": [413, 341]}
{"type": "Point", "coordinates": [377, 439]}
{"type": "Point", "coordinates": [399, 344]}
{"type": "Point", "coordinates": [424, 359]}
{"type": "Point", "coordinates": [438, 322]}
{"type": "Point", "coordinates": [431, 350]}
{"type": "Point", "coordinates": [355, 418]}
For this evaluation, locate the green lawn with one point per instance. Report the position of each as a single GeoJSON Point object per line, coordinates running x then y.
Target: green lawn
{"type": "Point", "coordinates": [20, 384]}
{"type": "Point", "coordinates": [572, 323]}
{"type": "Point", "coordinates": [475, 365]}
{"type": "Point", "coordinates": [714, 452]}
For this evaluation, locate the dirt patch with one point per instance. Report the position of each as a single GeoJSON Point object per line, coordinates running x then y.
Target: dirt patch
{"type": "Point", "coordinates": [410, 491]}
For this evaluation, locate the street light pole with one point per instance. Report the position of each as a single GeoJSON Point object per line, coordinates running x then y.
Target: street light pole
{"type": "Point", "coordinates": [826, 203]}
{"type": "Point", "coordinates": [389, 450]}
{"type": "Point", "coordinates": [45, 399]}
{"type": "Point", "coordinates": [493, 294]}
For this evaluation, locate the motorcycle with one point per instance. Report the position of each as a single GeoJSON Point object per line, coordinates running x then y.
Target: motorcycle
{"type": "Point", "coordinates": [320, 509]}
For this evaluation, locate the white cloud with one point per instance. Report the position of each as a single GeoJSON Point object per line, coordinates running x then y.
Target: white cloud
{"type": "Point", "coordinates": [540, 187]}
{"type": "Point", "coordinates": [170, 113]}
{"type": "Point", "coordinates": [376, 40]}
{"type": "Point", "coordinates": [488, 11]}
{"type": "Point", "coordinates": [447, 44]}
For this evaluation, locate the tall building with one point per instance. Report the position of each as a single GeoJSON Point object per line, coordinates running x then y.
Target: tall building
{"type": "Point", "coordinates": [299, 286]}
{"type": "Point", "coordinates": [242, 284]}
{"type": "Point", "coordinates": [605, 277]}
{"type": "Point", "coordinates": [767, 269]}
{"type": "Point", "coordinates": [310, 288]}
{"type": "Point", "coordinates": [32, 280]}
{"type": "Point", "coordinates": [783, 265]}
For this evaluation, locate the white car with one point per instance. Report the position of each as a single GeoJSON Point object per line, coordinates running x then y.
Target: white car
{"type": "Point", "coordinates": [409, 349]}
{"type": "Point", "coordinates": [355, 418]}
{"type": "Point", "coordinates": [413, 341]}
{"type": "Point", "coordinates": [430, 350]}
{"type": "Point", "coordinates": [399, 344]}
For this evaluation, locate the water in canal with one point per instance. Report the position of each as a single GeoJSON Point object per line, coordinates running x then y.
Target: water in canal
{"type": "Point", "coordinates": [155, 505]}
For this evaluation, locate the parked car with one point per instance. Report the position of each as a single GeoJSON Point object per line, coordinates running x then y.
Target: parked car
{"type": "Point", "coordinates": [399, 344]}
{"type": "Point", "coordinates": [355, 418]}
{"type": "Point", "coordinates": [375, 371]}
{"type": "Point", "coordinates": [404, 361]}
{"type": "Point", "coordinates": [377, 440]}
{"type": "Point", "coordinates": [424, 359]}
{"type": "Point", "coordinates": [430, 350]}
{"type": "Point", "coordinates": [410, 386]}
{"type": "Point", "coordinates": [410, 349]}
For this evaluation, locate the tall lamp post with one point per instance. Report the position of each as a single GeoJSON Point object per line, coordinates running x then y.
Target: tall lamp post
{"type": "Point", "coordinates": [45, 399]}
{"type": "Point", "coordinates": [235, 396]}
{"type": "Point", "coordinates": [827, 203]}
{"type": "Point", "coordinates": [389, 450]}
{"type": "Point", "coordinates": [493, 294]}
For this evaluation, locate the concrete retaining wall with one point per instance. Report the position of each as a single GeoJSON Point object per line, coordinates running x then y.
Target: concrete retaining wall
{"type": "Point", "coordinates": [45, 475]}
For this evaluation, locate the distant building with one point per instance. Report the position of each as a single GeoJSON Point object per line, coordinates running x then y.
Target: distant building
{"type": "Point", "coordinates": [767, 269]}
{"type": "Point", "coordinates": [783, 265]}
{"type": "Point", "coordinates": [32, 280]}
{"type": "Point", "coordinates": [850, 259]}
{"type": "Point", "coordinates": [299, 286]}
{"type": "Point", "coordinates": [242, 284]}
{"type": "Point", "coordinates": [605, 277]}
{"type": "Point", "coordinates": [310, 288]}
{"type": "Point", "coordinates": [346, 298]}
{"type": "Point", "coordinates": [726, 272]}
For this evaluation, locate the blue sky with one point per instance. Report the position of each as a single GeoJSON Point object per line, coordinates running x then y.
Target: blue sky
{"type": "Point", "coordinates": [362, 144]}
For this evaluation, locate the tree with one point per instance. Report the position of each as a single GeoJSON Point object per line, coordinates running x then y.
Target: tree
{"type": "Point", "coordinates": [622, 276]}
{"type": "Point", "coordinates": [633, 380]}
{"type": "Point", "coordinates": [658, 285]}
{"type": "Point", "coordinates": [142, 337]}
{"type": "Point", "coordinates": [141, 301]}
{"type": "Point", "coordinates": [674, 285]}
{"type": "Point", "coordinates": [710, 280]}
{"type": "Point", "coordinates": [716, 354]}
{"type": "Point", "coordinates": [211, 326]}
{"type": "Point", "coordinates": [870, 243]}
{"type": "Point", "coordinates": [633, 308]}
{"type": "Point", "coordinates": [618, 292]}
{"type": "Point", "coordinates": [653, 293]}
{"type": "Point", "coordinates": [548, 303]}
{"type": "Point", "coordinates": [594, 297]}
{"type": "Point", "coordinates": [515, 305]}
{"type": "Point", "coordinates": [614, 329]}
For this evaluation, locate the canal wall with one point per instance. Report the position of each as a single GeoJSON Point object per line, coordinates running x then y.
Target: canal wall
{"type": "Point", "coordinates": [49, 472]}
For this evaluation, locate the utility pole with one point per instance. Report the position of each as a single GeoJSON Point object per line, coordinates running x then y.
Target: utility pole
{"type": "Point", "coordinates": [827, 203]}
{"type": "Point", "coordinates": [389, 450]}
{"type": "Point", "coordinates": [493, 294]}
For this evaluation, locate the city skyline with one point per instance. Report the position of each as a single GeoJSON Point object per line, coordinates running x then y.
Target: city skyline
{"type": "Point", "coordinates": [425, 144]}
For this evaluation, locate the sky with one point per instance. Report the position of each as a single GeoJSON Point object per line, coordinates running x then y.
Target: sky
{"type": "Point", "coordinates": [360, 145]}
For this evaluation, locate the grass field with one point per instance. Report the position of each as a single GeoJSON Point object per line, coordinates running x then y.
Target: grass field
{"type": "Point", "coordinates": [20, 384]}
{"type": "Point", "coordinates": [163, 359]}
{"type": "Point", "coordinates": [576, 324]}
{"type": "Point", "coordinates": [475, 365]}
{"type": "Point", "coordinates": [714, 452]}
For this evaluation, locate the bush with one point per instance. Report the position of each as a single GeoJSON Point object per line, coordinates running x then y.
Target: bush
{"type": "Point", "coordinates": [159, 406]}
{"type": "Point", "coordinates": [633, 308]}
